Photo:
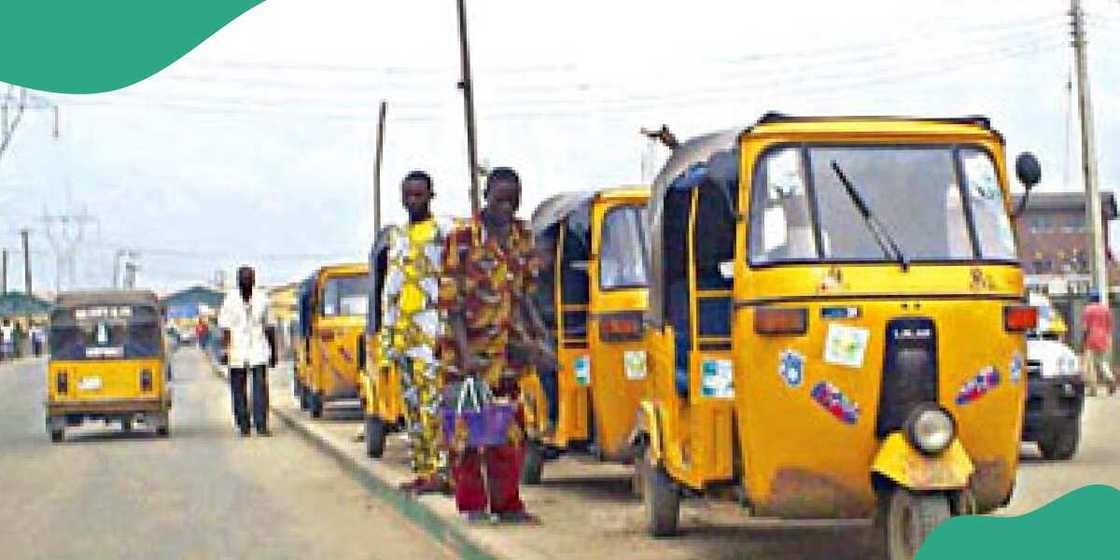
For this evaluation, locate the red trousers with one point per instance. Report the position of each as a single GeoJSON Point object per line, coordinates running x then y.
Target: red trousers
{"type": "Point", "coordinates": [500, 485]}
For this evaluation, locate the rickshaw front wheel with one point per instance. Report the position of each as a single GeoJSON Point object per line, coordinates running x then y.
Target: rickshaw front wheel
{"type": "Point", "coordinates": [661, 496]}
{"type": "Point", "coordinates": [375, 437]}
{"type": "Point", "coordinates": [906, 518]}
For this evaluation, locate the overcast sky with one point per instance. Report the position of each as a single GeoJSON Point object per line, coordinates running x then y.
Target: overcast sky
{"type": "Point", "coordinates": [257, 146]}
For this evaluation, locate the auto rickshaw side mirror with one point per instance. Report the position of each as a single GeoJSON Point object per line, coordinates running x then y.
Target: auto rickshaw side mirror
{"type": "Point", "coordinates": [1029, 173]}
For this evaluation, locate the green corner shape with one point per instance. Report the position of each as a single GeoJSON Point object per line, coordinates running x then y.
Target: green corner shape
{"type": "Point", "coordinates": [94, 46]}
{"type": "Point", "coordinates": [1077, 525]}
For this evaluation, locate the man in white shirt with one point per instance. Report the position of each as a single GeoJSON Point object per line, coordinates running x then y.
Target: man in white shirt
{"type": "Point", "coordinates": [7, 340]}
{"type": "Point", "coordinates": [248, 344]}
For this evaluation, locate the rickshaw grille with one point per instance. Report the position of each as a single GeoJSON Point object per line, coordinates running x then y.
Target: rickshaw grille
{"type": "Point", "coordinates": [909, 372]}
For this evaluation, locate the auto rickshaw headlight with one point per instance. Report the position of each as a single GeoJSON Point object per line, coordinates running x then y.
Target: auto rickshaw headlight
{"type": "Point", "coordinates": [931, 429]}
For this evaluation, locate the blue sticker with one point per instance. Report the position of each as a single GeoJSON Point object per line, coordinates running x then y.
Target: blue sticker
{"type": "Point", "coordinates": [1015, 371]}
{"type": "Point", "coordinates": [791, 366]}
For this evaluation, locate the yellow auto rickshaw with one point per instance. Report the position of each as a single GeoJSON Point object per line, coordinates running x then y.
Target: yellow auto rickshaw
{"type": "Point", "coordinates": [592, 295]}
{"type": "Point", "coordinates": [836, 323]}
{"type": "Point", "coordinates": [108, 362]}
{"type": "Point", "coordinates": [333, 316]}
{"type": "Point", "coordinates": [379, 389]}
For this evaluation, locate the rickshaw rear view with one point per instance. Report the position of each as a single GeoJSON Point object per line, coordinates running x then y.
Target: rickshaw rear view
{"type": "Point", "coordinates": [107, 362]}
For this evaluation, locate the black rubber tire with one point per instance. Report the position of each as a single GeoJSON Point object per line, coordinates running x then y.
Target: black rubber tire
{"type": "Point", "coordinates": [532, 468]}
{"type": "Point", "coordinates": [316, 405]}
{"type": "Point", "coordinates": [906, 518]}
{"type": "Point", "coordinates": [126, 425]}
{"type": "Point", "coordinates": [375, 437]}
{"type": "Point", "coordinates": [1061, 441]}
{"type": "Point", "coordinates": [57, 435]}
{"type": "Point", "coordinates": [164, 428]}
{"type": "Point", "coordinates": [661, 497]}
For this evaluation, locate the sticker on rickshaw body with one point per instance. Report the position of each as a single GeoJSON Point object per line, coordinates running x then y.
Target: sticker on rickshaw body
{"type": "Point", "coordinates": [634, 364]}
{"type": "Point", "coordinates": [582, 370]}
{"type": "Point", "coordinates": [717, 380]}
{"type": "Point", "coordinates": [105, 352]}
{"type": "Point", "coordinates": [846, 345]}
{"type": "Point", "coordinates": [791, 366]}
{"type": "Point", "coordinates": [1015, 369]}
{"type": "Point", "coordinates": [978, 386]}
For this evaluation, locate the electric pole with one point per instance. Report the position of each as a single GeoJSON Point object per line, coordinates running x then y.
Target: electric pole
{"type": "Point", "coordinates": [1088, 154]}
{"type": "Point", "coordinates": [377, 170]}
{"type": "Point", "coordinates": [468, 105]}
{"type": "Point", "coordinates": [5, 292]}
{"type": "Point", "coordinates": [26, 262]}
{"type": "Point", "coordinates": [11, 114]}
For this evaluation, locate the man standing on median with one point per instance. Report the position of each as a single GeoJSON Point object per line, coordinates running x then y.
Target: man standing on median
{"type": "Point", "coordinates": [489, 270]}
{"type": "Point", "coordinates": [248, 347]}
{"type": "Point", "coordinates": [411, 326]}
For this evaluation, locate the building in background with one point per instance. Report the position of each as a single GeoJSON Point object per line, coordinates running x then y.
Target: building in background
{"type": "Point", "coordinates": [1056, 250]}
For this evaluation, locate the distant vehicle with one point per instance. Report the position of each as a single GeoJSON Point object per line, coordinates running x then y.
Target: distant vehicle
{"type": "Point", "coordinates": [1055, 387]}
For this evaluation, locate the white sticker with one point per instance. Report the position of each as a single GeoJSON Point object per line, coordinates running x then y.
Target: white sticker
{"type": "Point", "coordinates": [110, 352]}
{"type": "Point", "coordinates": [717, 380]}
{"type": "Point", "coordinates": [582, 367]}
{"type": "Point", "coordinates": [634, 364]}
{"type": "Point", "coordinates": [846, 345]}
{"type": "Point", "coordinates": [90, 384]}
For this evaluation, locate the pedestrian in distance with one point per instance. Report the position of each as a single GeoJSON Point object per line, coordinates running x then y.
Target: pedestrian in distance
{"type": "Point", "coordinates": [248, 348]}
{"type": "Point", "coordinates": [1096, 324]}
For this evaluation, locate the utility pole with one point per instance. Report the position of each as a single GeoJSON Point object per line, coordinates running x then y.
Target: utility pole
{"type": "Point", "coordinates": [1088, 154]}
{"type": "Point", "coordinates": [11, 114]}
{"type": "Point", "coordinates": [65, 241]}
{"type": "Point", "coordinates": [377, 170]}
{"type": "Point", "coordinates": [26, 262]}
{"type": "Point", "coordinates": [468, 105]}
{"type": "Point", "coordinates": [5, 292]}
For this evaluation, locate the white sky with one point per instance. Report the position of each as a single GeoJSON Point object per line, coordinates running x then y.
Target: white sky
{"type": "Point", "coordinates": [257, 146]}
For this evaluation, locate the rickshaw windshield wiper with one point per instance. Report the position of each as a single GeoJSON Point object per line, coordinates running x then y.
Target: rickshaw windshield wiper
{"type": "Point", "coordinates": [882, 237]}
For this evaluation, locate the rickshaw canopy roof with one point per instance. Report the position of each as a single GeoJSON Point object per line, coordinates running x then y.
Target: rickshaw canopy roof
{"type": "Point", "coordinates": [554, 209]}
{"type": "Point", "coordinates": [72, 300]}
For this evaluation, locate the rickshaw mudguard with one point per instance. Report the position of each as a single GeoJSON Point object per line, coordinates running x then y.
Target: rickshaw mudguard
{"type": "Point", "coordinates": [898, 461]}
{"type": "Point", "coordinates": [647, 431]}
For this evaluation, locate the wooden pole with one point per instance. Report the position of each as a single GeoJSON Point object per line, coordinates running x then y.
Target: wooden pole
{"type": "Point", "coordinates": [468, 105]}
{"type": "Point", "coordinates": [377, 169]}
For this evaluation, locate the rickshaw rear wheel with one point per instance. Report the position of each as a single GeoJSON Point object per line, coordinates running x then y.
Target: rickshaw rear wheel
{"type": "Point", "coordinates": [375, 437]}
{"type": "Point", "coordinates": [57, 435]}
{"type": "Point", "coordinates": [661, 496]}
{"type": "Point", "coordinates": [126, 424]}
{"type": "Point", "coordinates": [1060, 442]}
{"type": "Point", "coordinates": [163, 429]}
{"type": "Point", "coordinates": [316, 405]}
{"type": "Point", "coordinates": [532, 468]}
{"type": "Point", "coordinates": [905, 518]}
{"type": "Point", "coordinates": [304, 397]}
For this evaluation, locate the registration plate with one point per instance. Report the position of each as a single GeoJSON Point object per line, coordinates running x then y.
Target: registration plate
{"type": "Point", "coordinates": [90, 383]}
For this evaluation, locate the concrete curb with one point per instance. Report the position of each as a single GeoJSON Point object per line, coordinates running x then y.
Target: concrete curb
{"type": "Point", "coordinates": [440, 523]}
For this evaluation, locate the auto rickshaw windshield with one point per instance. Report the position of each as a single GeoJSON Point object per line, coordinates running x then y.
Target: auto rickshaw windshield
{"type": "Point", "coordinates": [623, 256]}
{"type": "Point", "coordinates": [105, 332]}
{"type": "Point", "coordinates": [346, 296]}
{"type": "Point", "coordinates": [802, 211]}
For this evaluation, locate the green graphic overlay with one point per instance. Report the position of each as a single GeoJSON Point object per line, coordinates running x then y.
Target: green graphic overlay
{"type": "Point", "coordinates": [1077, 525]}
{"type": "Point", "coordinates": [92, 46]}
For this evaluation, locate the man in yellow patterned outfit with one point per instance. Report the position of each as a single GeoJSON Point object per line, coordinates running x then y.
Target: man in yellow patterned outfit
{"type": "Point", "coordinates": [412, 325]}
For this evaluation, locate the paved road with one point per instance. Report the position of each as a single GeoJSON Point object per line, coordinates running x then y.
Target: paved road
{"type": "Point", "coordinates": [204, 493]}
